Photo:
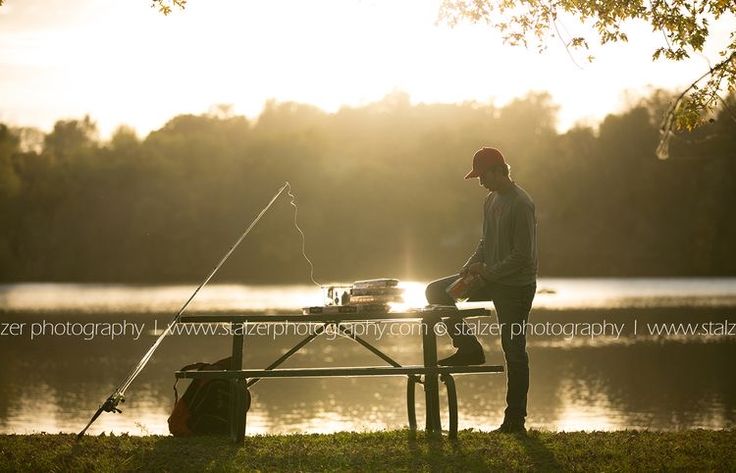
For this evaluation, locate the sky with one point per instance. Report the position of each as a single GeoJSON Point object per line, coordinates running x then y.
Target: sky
{"type": "Point", "coordinates": [123, 63]}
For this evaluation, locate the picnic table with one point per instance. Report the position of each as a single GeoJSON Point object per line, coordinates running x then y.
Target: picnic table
{"type": "Point", "coordinates": [429, 374]}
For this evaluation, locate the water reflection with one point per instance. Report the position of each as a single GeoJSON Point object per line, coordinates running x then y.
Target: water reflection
{"type": "Point", "coordinates": [55, 383]}
{"type": "Point", "coordinates": [553, 294]}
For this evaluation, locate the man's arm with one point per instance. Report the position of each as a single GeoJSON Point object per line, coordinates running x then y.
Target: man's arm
{"type": "Point", "coordinates": [523, 240]}
{"type": "Point", "coordinates": [476, 257]}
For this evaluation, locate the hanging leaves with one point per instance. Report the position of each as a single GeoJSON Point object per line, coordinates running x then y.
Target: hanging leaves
{"type": "Point", "coordinates": [165, 6]}
{"type": "Point", "coordinates": [684, 25]}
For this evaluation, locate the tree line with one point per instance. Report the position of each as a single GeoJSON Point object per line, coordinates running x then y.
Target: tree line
{"type": "Point", "coordinates": [379, 189]}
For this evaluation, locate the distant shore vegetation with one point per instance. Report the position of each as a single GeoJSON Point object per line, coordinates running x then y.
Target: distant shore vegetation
{"type": "Point", "coordinates": [380, 192]}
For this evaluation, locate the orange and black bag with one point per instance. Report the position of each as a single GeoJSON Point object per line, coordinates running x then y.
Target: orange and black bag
{"type": "Point", "coordinates": [204, 409]}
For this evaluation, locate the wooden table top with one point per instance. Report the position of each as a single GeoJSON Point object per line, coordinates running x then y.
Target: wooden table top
{"type": "Point", "coordinates": [418, 314]}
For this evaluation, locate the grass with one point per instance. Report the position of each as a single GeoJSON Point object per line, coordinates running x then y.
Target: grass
{"type": "Point", "coordinates": [691, 450]}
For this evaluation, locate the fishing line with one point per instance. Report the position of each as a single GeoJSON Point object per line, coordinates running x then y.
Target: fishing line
{"type": "Point", "coordinates": [118, 396]}
{"type": "Point", "coordinates": [304, 243]}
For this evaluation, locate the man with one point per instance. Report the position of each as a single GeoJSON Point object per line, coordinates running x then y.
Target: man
{"type": "Point", "coordinates": [506, 262]}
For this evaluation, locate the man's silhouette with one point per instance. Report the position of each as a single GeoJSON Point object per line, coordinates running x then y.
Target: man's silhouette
{"type": "Point", "coordinates": [506, 263]}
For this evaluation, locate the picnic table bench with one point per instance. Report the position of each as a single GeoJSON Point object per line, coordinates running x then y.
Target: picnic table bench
{"type": "Point", "coordinates": [429, 374]}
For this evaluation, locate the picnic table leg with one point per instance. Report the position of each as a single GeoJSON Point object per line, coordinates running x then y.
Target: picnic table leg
{"type": "Point", "coordinates": [431, 382]}
{"type": "Point", "coordinates": [411, 410]}
{"type": "Point", "coordinates": [238, 388]}
{"type": "Point", "coordinates": [452, 402]}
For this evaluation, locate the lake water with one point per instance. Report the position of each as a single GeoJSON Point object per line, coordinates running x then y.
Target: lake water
{"type": "Point", "coordinates": [636, 378]}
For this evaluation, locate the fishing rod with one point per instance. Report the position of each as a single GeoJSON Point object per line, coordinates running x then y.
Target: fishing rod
{"type": "Point", "coordinates": [118, 396]}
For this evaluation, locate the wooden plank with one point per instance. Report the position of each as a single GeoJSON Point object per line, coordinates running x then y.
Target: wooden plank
{"type": "Point", "coordinates": [322, 318]}
{"type": "Point", "coordinates": [339, 372]}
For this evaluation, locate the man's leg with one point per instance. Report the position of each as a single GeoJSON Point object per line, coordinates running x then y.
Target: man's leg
{"type": "Point", "coordinates": [470, 351]}
{"type": "Point", "coordinates": [513, 304]}
{"type": "Point", "coordinates": [436, 291]}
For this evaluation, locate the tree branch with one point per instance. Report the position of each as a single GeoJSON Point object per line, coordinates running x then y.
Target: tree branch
{"type": "Point", "coordinates": [670, 117]}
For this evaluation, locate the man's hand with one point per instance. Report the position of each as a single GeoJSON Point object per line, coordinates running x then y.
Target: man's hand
{"type": "Point", "coordinates": [476, 268]}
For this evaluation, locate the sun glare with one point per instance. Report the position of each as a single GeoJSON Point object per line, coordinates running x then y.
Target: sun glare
{"type": "Point", "coordinates": [123, 63]}
{"type": "Point", "coordinates": [588, 418]}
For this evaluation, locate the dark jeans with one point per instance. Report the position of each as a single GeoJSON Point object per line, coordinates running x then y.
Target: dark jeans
{"type": "Point", "coordinates": [512, 304]}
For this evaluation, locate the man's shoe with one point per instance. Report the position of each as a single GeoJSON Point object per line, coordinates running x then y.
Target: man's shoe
{"type": "Point", "coordinates": [511, 427]}
{"type": "Point", "coordinates": [465, 357]}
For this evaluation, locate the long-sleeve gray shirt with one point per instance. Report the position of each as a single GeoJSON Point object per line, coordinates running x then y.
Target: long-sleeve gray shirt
{"type": "Point", "coordinates": [509, 244]}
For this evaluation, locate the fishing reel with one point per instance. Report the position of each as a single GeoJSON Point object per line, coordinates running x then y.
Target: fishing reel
{"type": "Point", "coordinates": [111, 404]}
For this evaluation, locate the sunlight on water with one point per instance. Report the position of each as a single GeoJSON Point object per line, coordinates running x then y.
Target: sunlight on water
{"type": "Point", "coordinates": [583, 409]}
{"type": "Point", "coordinates": [592, 417]}
{"type": "Point", "coordinates": [552, 293]}
{"type": "Point", "coordinates": [92, 298]}
{"type": "Point", "coordinates": [569, 392]}
{"type": "Point", "coordinates": [327, 422]}
{"type": "Point", "coordinates": [559, 293]}
{"type": "Point", "coordinates": [40, 410]}
{"type": "Point", "coordinates": [580, 384]}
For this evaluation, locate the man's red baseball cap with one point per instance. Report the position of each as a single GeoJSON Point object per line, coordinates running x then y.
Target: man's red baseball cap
{"type": "Point", "coordinates": [483, 160]}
